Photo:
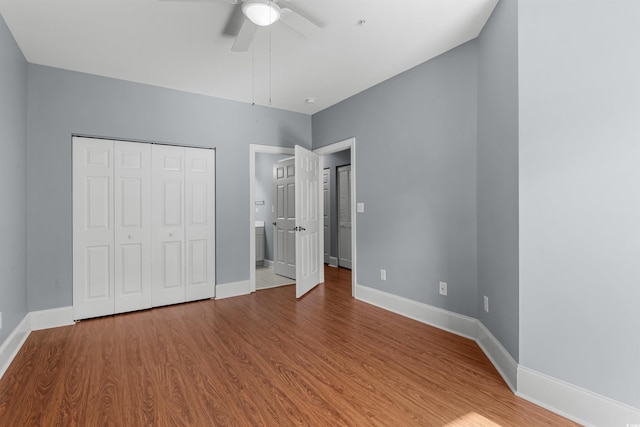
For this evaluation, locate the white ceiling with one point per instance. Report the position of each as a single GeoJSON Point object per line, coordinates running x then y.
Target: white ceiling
{"type": "Point", "coordinates": [180, 44]}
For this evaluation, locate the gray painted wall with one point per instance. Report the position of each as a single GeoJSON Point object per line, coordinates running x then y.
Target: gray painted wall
{"type": "Point", "coordinates": [416, 157]}
{"type": "Point", "coordinates": [13, 183]}
{"type": "Point", "coordinates": [580, 193]}
{"type": "Point", "coordinates": [61, 103]}
{"type": "Point", "coordinates": [264, 192]}
{"type": "Point", "coordinates": [332, 161]}
{"type": "Point", "coordinates": [498, 174]}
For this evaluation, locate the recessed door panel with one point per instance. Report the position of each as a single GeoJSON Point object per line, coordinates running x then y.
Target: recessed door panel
{"type": "Point", "coordinates": [130, 202]}
{"type": "Point", "coordinates": [98, 278]}
{"type": "Point", "coordinates": [197, 256]}
{"type": "Point", "coordinates": [98, 201]}
{"type": "Point", "coordinates": [172, 265]}
{"type": "Point", "coordinates": [131, 278]}
{"type": "Point", "coordinates": [172, 206]}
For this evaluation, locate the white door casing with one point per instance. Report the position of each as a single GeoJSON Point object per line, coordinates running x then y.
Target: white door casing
{"type": "Point", "coordinates": [308, 205]}
{"type": "Point", "coordinates": [284, 239]}
{"type": "Point", "coordinates": [132, 203]}
{"type": "Point", "coordinates": [93, 228]}
{"type": "Point", "coordinates": [167, 199]}
{"type": "Point", "coordinates": [200, 226]}
{"type": "Point", "coordinates": [344, 216]}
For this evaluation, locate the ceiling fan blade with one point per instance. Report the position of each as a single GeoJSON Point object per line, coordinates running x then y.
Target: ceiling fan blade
{"type": "Point", "coordinates": [235, 21]}
{"type": "Point", "coordinates": [204, 1]}
{"type": "Point", "coordinates": [299, 23]}
{"type": "Point", "coordinates": [244, 38]}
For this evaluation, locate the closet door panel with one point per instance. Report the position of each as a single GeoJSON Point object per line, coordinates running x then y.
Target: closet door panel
{"type": "Point", "coordinates": [93, 228]}
{"type": "Point", "coordinates": [133, 226]}
{"type": "Point", "coordinates": [200, 223]}
{"type": "Point", "coordinates": [168, 235]}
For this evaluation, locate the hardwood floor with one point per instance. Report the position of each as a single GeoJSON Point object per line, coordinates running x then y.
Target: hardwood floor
{"type": "Point", "coordinates": [259, 360]}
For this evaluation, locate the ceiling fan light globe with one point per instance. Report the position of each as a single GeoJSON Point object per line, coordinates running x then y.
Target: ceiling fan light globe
{"type": "Point", "coordinates": [261, 13]}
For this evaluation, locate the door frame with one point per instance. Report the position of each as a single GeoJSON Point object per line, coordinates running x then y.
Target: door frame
{"type": "Point", "coordinates": [350, 144]}
{"type": "Point", "coordinates": [254, 149]}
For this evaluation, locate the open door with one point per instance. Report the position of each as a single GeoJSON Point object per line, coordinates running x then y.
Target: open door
{"type": "Point", "coordinates": [309, 244]}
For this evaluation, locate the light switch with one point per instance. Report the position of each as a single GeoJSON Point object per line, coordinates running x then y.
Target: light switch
{"type": "Point", "coordinates": [359, 207]}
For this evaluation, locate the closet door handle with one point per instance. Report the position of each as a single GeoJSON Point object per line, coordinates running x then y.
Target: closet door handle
{"type": "Point", "coordinates": [275, 223]}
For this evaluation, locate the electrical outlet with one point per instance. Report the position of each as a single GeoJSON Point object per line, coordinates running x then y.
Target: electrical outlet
{"type": "Point", "coordinates": [383, 274]}
{"type": "Point", "coordinates": [443, 288]}
{"type": "Point", "coordinates": [486, 303]}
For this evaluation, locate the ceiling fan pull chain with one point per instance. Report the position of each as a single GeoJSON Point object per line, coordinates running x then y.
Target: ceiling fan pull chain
{"type": "Point", "coordinates": [270, 64]}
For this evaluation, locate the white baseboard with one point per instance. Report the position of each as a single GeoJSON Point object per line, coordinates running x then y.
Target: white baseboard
{"type": "Point", "coordinates": [46, 319]}
{"type": "Point", "coordinates": [504, 363]}
{"type": "Point", "coordinates": [434, 316]}
{"type": "Point", "coordinates": [267, 263]}
{"type": "Point", "coordinates": [573, 402]}
{"type": "Point", "coordinates": [568, 400]}
{"type": "Point", "coordinates": [233, 289]}
{"type": "Point", "coordinates": [13, 343]}
{"type": "Point", "coordinates": [333, 261]}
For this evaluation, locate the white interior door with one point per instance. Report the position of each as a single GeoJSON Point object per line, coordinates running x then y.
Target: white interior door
{"type": "Point", "coordinates": [284, 239]}
{"type": "Point", "coordinates": [93, 228]}
{"type": "Point", "coordinates": [326, 181]}
{"type": "Point", "coordinates": [344, 216]}
{"type": "Point", "coordinates": [132, 202]}
{"type": "Point", "coordinates": [167, 199]}
{"type": "Point", "coordinates": [309, 245]}
{"type": "Point", "coordinates": [200, 223]}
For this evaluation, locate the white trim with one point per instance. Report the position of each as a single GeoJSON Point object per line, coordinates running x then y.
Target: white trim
{"type": "Point", "coordinates": [573, 402]}
{"type": "Point", "coordinates": [333, 261]}
{"type": "Point", "coordinates": [13, 343]}
{"type": "Point", "coordinates": [233, 289]}
{"type": "Point", "coordinates": [348, 144]}
{"type": "Point", "coordinates": [568, 400]}
{"type": "Point", "coordinates": [267, 263]}
{"type": "Point", "coordinates": [53, 318]}
{"type": "Point", "coordinates": [502, 360]}
{"type": "Point", "coordinates": [253, 150]}
{"type": "Point", "coordinates": [452, 322]}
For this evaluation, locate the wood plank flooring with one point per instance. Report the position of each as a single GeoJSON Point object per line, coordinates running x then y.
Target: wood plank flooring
{"type": "Point", "coordinates": [259, 360]}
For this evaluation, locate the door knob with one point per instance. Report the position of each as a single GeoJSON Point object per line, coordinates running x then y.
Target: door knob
{"type": "Point", "coordinates": [275, 223]}
{"type": "Point", "coordinates": [170, 234]}
{"type": "Point", "coordinates": [130, 236]}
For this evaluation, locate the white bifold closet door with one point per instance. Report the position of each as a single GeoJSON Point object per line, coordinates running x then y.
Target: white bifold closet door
{"type": "Point", "coordinates": [143, 226]}
{"type": "Point", "coordinates": [183, 228]}
{"type": "Point", "coordinates": [93, 228]}
{"type": "Point", "coordinates": [132, 207]}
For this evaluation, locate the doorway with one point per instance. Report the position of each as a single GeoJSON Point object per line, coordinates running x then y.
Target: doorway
{"type": "Point", "coordinates": [254, 149]}
{"type": "Point", "coordinates": [261, 160]}
{"type": "Point", "coordinates": [345, 152]}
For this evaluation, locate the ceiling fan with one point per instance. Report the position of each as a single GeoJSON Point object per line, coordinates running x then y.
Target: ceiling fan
{"type": "Point", "coordinates": [247, 15]}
